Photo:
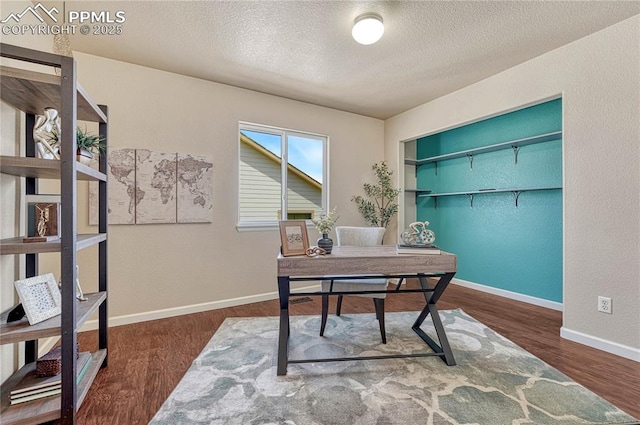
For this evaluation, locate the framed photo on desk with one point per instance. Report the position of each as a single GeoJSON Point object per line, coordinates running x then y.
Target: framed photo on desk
{"type": "Point", "coordinates": [293, 237]}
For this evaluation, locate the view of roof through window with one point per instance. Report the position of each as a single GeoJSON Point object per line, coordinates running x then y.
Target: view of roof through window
{"type": "Point", "coordinates": [303, 153]}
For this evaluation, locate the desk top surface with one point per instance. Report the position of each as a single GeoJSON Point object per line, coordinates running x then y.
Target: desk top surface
{"type": "Point", "coordinates": [354, 260]}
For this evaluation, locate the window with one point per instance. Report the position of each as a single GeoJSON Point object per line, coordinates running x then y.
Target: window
{"type": "Point", "coordinates": [280, 170]}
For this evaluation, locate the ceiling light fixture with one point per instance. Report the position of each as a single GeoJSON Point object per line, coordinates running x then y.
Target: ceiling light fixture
{"type": "Point", "coordinates": [368, 28]}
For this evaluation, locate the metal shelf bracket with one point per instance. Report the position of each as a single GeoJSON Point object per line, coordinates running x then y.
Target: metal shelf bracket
{"type": "Point", "coordinates": [470, 156]}
{"type": "Point", "coordinates": [516, 195]}
{"type": "Point", "coordinates": [516, 149]}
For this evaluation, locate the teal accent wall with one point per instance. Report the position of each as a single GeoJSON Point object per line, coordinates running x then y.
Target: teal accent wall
{"type": "Point", "coordinates": [518, 249]}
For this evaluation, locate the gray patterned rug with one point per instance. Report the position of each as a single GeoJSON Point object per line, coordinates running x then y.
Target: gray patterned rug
{"type": "Point", "coordinates": [234, 381]}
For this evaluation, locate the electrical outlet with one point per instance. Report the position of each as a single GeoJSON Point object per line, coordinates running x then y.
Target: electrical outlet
{"type": "Point", "coordinates": [604, 305]}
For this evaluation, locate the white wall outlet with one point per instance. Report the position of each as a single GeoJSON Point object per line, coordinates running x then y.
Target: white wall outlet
{"type": "Point", "coordinates": [604, 305]}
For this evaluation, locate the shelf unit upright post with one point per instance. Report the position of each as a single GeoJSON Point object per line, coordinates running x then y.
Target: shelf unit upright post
{"type": "Point", "coordinates": [69, 224]}
{"type": "Point", "coordinates": [31, 260]}
{"type": "Point", "coordinates": [29, 92]}
{"type": "Point", "coordinates": [103, 227]}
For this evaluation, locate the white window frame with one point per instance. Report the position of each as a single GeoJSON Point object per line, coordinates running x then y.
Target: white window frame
{"type": "Point", "coordinates": [284, 133]}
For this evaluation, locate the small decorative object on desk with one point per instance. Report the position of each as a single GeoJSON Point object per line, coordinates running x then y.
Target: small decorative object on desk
{"type": "Point", "coordinates": [418, 234]}
{"type": "Point", "coordinates": [315, 251]}
{"type": "Point", "coordinates": [293, 237]}
{"type": "Point", "coordinates": [324, 224]}
{"type": "Point", "coordinates": [40, 297]}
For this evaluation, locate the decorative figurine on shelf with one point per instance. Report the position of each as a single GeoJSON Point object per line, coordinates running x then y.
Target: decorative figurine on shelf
{"type": "Point", "coordinates": [44, 213]}
{"type": "Point", "coordinates": [324, 224]}
{"type": "Point", "coordinates": [418, 234]}
{"type": "Point", "coordinates": [43, 218]}
{"type": "Point", "coordinates": [79, 294]}
{"type": "Point", "coordinates": [42, 130]}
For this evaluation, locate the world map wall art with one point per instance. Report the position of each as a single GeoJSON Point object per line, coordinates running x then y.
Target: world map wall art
{"type": "Point", "coordinates": [149, 187]}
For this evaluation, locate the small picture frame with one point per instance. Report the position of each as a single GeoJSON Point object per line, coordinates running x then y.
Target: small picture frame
{"type": "Point", "coordinates": [43, 221]}
{"type": "Point", "coordinates": [40, 297]}
{"type": "Point", "coordinates": [293, 236]}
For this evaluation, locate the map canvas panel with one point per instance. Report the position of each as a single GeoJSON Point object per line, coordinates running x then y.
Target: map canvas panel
{"type": "Point", "coordinates": [121, 187]}
{"type": "Point", "coordinates": [194, 188]}
{"type": "Point", "coordinates": [155, 187]}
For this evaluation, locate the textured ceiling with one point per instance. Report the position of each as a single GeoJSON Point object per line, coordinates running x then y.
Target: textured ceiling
{"type": "Point", "coordinates": [303, 50]}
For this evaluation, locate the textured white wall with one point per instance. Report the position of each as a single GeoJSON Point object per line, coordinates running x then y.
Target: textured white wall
{"type": "Point", "coordinates": [598, 79]}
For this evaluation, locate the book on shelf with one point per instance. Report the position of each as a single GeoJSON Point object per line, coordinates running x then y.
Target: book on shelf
{"type": "Point", "coordinates": [47, 393]}
{"type": "Point", "coordinates": [34, 387]}
{"type": "Point", "coordinates": [429, 249]}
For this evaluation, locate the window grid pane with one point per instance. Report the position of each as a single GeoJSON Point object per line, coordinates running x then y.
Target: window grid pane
{"type": "Point", "coordinates": [262, 171]}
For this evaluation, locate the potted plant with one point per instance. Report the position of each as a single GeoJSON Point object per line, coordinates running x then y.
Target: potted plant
{"type": "Point", "coordinates": [87, 144]}
{"type": "Point", "coordinates": [324, 224]}
{"type": "Point", "coordinates": [379, 206]}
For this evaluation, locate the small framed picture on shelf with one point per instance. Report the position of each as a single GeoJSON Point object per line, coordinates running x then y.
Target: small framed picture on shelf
{"type": "Point", "coordinates": [293, 237]}
{"type": "Point", "coordinates": [43, 221]}
{"type": "Point", "coordinates": [40, 297]}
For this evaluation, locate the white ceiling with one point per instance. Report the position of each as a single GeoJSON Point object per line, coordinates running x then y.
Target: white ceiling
{"type": "Point", "coordinates": [303, 49]}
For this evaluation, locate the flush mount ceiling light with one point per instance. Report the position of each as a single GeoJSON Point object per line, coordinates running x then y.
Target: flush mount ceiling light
{"type": "Point", "coordinates": [368, 28]}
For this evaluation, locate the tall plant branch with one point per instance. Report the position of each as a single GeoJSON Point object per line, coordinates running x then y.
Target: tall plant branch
{"type": "Point", "coordinates": [379, 206]}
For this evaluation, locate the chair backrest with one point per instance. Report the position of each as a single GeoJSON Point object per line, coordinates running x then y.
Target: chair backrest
{"type": "Point", "coordinates": [359, 236]}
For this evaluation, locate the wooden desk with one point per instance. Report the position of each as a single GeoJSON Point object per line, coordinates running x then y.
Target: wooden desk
{"type": "Point", "coordinates": [361, 263]}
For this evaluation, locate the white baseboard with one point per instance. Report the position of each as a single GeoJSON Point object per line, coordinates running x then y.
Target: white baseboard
{"type": "Point", "coordinates": [575, 336]}
{"type": "Point", "coordinates": [601, 344]}
{"type": "Point", "coordinates": [188, 309]}
{"type": "Point", "coordinates": [214, 305]}
{"type": "Point", "coordinates": [553, 305]}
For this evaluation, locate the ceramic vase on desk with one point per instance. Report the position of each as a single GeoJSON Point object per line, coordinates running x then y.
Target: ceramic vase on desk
{"type": "Point", "coordinates": [324, 224]}
{"type": "Point", "coordinates": [325, 243]}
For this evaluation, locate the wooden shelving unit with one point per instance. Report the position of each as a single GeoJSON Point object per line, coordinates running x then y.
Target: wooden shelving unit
{"type": "Point", "coordinates": [21, 330]}
{"type": "Point", "coordinates": [37, 168]}
{"type": "Point", "coordinates": [17, 246]}
{"type": "Point", "coordinates": [48, 408]}
{"type": "Point", "coordinates": [30, 92]}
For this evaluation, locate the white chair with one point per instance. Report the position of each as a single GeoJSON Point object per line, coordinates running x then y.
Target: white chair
{"type": "Point", "coordinates": [357, 236]}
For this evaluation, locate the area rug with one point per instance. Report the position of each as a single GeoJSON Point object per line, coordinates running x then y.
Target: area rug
{"type": "Point", "coordinates": [233, 381]}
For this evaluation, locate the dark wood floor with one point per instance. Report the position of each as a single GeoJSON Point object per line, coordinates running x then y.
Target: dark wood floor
{"type": "Point", "coordinates": [147, 360]}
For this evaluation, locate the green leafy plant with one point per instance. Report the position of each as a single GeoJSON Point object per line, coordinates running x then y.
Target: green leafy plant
{"type": "Point", "coordinates": [84, 140]}
{"type": "Point", "coordinates": [324, 224]}
{"type": "Point", "coordinates": [379, 205]}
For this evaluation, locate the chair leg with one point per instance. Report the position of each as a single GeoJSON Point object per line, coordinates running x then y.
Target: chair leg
{"type": "Point", "coordinates": [325, 312]}
{"type": "Point", "coordinates": [379, 304]}
{"type": "Point", "coordinates": [339, 307]}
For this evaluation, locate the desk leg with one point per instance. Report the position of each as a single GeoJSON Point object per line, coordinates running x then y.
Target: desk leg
{"type": "Point", "coordinates": [431, 308]}
{"type": "Point", "coordinates": [283, 336]}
